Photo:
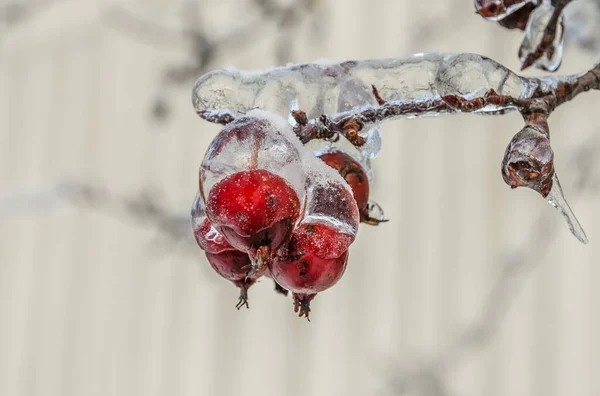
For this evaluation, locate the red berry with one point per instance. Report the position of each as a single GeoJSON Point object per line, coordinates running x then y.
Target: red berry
{"type": "Point", "coordinates": [356, 177]}
{"type": "Point", "coordinates": [234, 266]}
{"type": "Point", "coordinates": [352, 172]}
{"type": "Point", "coordinates": [313, 261]}
{"type": "Point", "coordinates": [255, 211]}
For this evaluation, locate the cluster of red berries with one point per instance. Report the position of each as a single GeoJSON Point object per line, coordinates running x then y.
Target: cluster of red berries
{"type": "Point", "coordinates": [269, 206]}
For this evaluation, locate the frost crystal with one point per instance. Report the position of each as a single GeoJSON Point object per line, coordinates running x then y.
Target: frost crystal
{"type": "Point", "coordinates": [534, 34]}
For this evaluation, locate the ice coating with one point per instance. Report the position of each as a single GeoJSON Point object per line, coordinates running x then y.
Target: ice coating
{"type": "Point", "coordinates": [319, 147]}
{"type": "Point", "coordinates": [502, 10]}
{"type": "Point", "coordinates": [557, 199]}
{"type": "Point", "coordinates": [319, 88]}
{"type": "Point", "coordinates": [326, 88]}
{"type": "Point", "coordinates": [354, 96]}
{"type": "Point", "coordinates": [259, 140]}
{"type": "Point", "coordinates": [534, 34]}
{"type": "Point", "coordinates": [471, 76]}
{"type": "Point", "coordinates": [207, 236]}
{"type": "Point", "coordinates": [329, 199]}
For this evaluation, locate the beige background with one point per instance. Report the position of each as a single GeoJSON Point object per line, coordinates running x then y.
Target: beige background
{"type": "Point", "coordinates": [95, 302]}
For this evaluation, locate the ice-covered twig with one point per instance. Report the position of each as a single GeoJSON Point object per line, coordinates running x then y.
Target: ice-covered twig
{"type": "Point", "coordinates": [421, 85]}
{"type": "Point", "coordinates": [549, 36]}
{"type": "Point", "coordinates": [543, 25]}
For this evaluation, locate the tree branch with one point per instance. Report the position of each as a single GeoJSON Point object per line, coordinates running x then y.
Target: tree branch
{"type": "Point", "coordinates": [551, 92]}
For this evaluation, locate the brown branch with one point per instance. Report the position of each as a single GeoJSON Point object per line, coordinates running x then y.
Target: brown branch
{"type": "Point", "coordinates": [543, 101]}
{"type": "Point", "coordinates": [567, 90]}
{"type": "Point", "coordinates": [348, 124]}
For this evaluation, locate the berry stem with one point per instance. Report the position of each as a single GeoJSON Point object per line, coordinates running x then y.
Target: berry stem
{"type": "Point", "coordinates": [243, 298]}
{"type": "Point", "coordinates": [302, 305]}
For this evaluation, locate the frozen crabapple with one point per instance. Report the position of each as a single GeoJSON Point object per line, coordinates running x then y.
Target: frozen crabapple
{"type": "Point", "coordinates": [313, 261]}
{"type": "Point", "coordinates": [356, 177]}
{"type": "Point", "coordinates": [255, 211]}
{"type": "Point", "coordinates": [251, 179]}
{"type": "Point", "coordinates": [315, 257]}
{"type": "Point", "coordinates": [229, 263]}
{"type": "Point", "coordinates": [233, 265]}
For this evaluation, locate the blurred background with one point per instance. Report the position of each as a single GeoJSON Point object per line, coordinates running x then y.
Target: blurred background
{"type": "Point", "coordinates": [470, 289]}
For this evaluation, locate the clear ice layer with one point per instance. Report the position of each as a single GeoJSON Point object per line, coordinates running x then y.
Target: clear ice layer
{"type": "Point", "coordinates": [505, 11]}
{"type": "Point", "coordinates": [329, 199]}
{"type": "Point", "coordinates": [557, 199]}
{"type": "Point", "coordinates": [259, 141]}
{"type": "Point", "coordinates": [328, 88]}
{"type": "Point", "coordinates": [198, 217]}
{"type": "Point", "coordinates": [534, 34]}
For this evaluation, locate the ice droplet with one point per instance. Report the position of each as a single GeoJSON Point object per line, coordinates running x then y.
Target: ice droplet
{"type": "Point", "coordinates": [557, 199]}
{"type": "Point", "coordinates": [534, 34]}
